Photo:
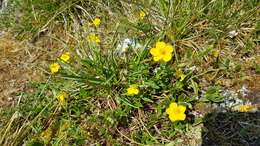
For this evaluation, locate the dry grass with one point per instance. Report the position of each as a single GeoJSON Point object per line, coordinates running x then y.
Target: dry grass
{"type": "Point", "coordinates": [16, 63]}
{"type": "Point", "coordinates": [21, 62]}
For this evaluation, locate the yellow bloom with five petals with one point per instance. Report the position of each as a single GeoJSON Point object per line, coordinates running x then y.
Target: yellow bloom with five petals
{"type": "Point", "coordinates": [176, 112]}
{"type": "Point", "coordinates": [162, 52]}
{"type": "Point", "coordinates": [93, 38]}
{"type": "Point", "coordinates": [54, 67]}
{"type": "Point", "coordinates": [65, 56]}
{"type": "Point", "coordinates": [132, 90]}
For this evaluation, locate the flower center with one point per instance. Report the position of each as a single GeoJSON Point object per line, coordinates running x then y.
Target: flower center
{"type": "Point", "coordinates": [177, 111]}
{"type": "Point", "coordinates": [163, 52]}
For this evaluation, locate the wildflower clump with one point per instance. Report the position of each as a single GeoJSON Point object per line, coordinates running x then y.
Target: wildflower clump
{"type": "Point", "coordinates": [176, 112]}
{"type": "Point", "coordinates": [93, 38]}
{"type": "Point", "coordinates": [132, 90]}
{"type": "Point", "coordinates": [54, 67]}
{"type": "Point", "coordinates": [162, 52]}
{"type": "Point", "coordinates": [65, 57]}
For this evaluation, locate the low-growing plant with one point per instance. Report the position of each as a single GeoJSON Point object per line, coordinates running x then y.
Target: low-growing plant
{"type": "Point", "coordinates": [128, 73]}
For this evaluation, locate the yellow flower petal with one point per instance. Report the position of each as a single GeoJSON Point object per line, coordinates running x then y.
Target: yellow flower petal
{"type": "Point", "coordinates": [93, 38]}
{"type": "Point", "coordinates": [97, 40]}
{"type": "Point", "coordinates": [173, 105]}
{"type": "Point", "coordinates": [136, 91]}
{"type": "Point", "coordinates": [168, 48]}
{"type": "Point", "coordinates": [62, 96]}
{"type": "Point", "coordinates": [167, 57]}
{"type": "Point", "coordinates": [182, 108]}
{"type": "Point", "coordinates": [172, 118]}
{"type": "Point", "coordinates": [169, 111]}
{"type": "Point", "coordinates": [160, 45]}
{"type": "Point", "coordinates": [154, 51]}
{"type": "Point", "coordinates": [178, 117]}
{"type": "Point", "coordinates": [142, 14]}
{"type": "Point", "coordinates": [181, 117]}
{"type": "Point", "coordinates": [96, 22]}
{"type": "Point", "coordinates": [182, 77]}
{"type": "Point", "coordinates": [157, 58]}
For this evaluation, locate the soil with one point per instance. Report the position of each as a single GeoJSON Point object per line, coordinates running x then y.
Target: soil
{"type": "Point", "coordinates": [18, 61]}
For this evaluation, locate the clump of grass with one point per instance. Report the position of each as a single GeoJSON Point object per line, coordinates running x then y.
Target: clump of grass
{"type": "Point", "coordinates": [85, 100]}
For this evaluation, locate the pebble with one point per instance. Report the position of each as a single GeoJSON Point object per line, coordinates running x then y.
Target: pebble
{"type": "Point", "coordinates": [125, 44]}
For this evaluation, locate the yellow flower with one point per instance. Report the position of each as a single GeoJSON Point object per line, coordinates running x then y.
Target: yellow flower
{"type": "Point", "coordinates": [176, 112]}
{"type": "Point", "coordinates": [55, 67]}
{"type": "Point", "coordinates": [246, 108]}
{"type": "Point", "coordinates": [93, 38]}
{"type": "Point", "coordinates": [142, 14]}
{"type": "Point", "coordinates": [65, 56]}
{"type": "Point", "coordinates": [162, 52]}
{"type": "Point", "coordinates": [62, 96]}
{"type": "Point", "coordinates": [132, 90]}
{"type": "Point", "coordinates": [96, 22]}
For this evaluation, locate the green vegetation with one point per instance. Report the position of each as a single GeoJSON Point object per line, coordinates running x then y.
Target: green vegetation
{"type": "Point", "coordinates": [96, 108]}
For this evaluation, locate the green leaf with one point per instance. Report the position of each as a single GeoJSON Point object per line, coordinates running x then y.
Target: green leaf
{"type": "Point", "coordinates": [171, 144]}
{"type": "Point", "coordinates": [127, 102]}
{"type": "Point", "coordinates": [195, 87]}
{"type": "Point", "coordinates": [151, 84]}
{"type": "Point", "coordinates": [213, 95]}
{"type": "Point", "coordinates": [257, 68]}
{"type": "Point", "coordinates": [147, 99]}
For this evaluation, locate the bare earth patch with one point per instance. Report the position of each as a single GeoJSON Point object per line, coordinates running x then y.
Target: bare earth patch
{"type": "Point", "coordinates": [17, 62]}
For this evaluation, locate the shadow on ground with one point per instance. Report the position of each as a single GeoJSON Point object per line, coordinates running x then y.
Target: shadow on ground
{"type": "Point", "coordinates": [231, 129]}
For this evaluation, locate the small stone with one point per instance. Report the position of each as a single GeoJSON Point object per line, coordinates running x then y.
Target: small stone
{"type": "Point", "coordinates": [232, 34]}
{"type": "Point", "coordinates": [127, 43]}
